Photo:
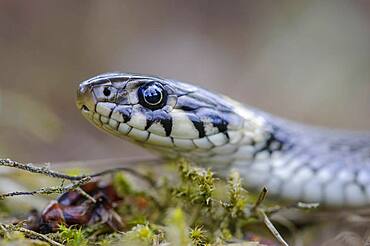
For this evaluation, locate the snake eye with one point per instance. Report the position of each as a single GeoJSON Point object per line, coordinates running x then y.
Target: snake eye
{"type": "Point", "coordinates": [152, 95]}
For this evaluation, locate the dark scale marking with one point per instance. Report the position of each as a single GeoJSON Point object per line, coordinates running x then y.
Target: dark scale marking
{"type": "Point", "coordinates": [214, 117]}
{"type": "Point", "coordinates": [268, 146]}
{"type": "Point", "coordinates": [160, 116]}
{"type": "Point", "coordinates": [220, 123]}
{"type": "Point", "coordinates": [111, 112]}
{"type": "Point", "coordinates": [198, 124]}
{"type": "Point", "coordinates": [165, 119]}
{"type": "Point", "coordinates": [126, 113]}
{"type": "Point", "coordinates": [187, 108]}
{"type": "Point", "coordinates": [149, 122]}
{"type": "Point", "coordinates": [314, 170]}
{"type": "Point", "coordinates": [281, 136]}
{"type": "Point", "coordinates": [167, 125]}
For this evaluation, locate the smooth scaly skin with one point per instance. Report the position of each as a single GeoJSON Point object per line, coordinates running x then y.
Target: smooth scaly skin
{"type": "Point", "coordinates": [293, 161]}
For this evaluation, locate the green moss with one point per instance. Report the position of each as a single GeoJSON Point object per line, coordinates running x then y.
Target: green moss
{"type": "Point", "coordinates": [197, 184]}
{"type": "Point", "coordinates": [177, 229]}
{"type": "Point", "coordinates": [122, 185]}
{"type": "Point", "coordinates": [73, 236]}
{"type": "Point", "coordinates": [198, 236]}
{"type": "Point", "coordinates": [182, 207]}
{"type": "Point", "coordinates": [237, 199]}
{"type": "Point", "coordinates": [140, 235]}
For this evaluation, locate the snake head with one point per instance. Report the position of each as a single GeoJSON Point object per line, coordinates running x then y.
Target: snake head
{"type": "Point", "coordinates": [157, 112]}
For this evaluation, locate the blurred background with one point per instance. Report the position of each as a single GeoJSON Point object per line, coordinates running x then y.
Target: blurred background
{"type": "Point", "coordinates": [304, 60]}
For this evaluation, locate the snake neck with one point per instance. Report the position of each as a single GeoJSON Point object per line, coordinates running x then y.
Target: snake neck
{"type": "Point", "coordinates": [255, 137]}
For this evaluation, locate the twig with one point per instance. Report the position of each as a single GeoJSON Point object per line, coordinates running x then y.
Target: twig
{"type": "Point", "coordinates": [30, 234]}
{"type": "Point", "coordinates": [84, 193]}
{"type": "Point", "coordinates": [47, 190]}
{"type": "Point", "coordinates": [272, 228]}
{"type": "Point", "coordinates": [299, 205]}
{"type": "Point", "coordinates": [4, 230]}
{"type": "Point", "coordinates": [261, 213]}
{"type": "Point", "coordinates": [77, 180]}
{"type": "Point", "coordinates": [40, 170]}
{"type": "Point", "coordinates": [29, 167]}
{"type": "Point", "coordinates": [260, 199]}
{"type": "Point", "coordinates": [97, 164]}
{"type": "Point", "coordinates": [126, 169]}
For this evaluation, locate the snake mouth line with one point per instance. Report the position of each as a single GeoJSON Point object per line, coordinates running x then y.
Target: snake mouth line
{"type": "Point", "coordinates": [118, 128]}
{"type": "Point", "coordinates": [84, 108]}
{"type": "Point", "coordinates": [126, 130]}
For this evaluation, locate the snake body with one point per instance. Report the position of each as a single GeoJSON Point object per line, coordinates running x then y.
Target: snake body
{"type": "Point", "coordinates": [175, 119]}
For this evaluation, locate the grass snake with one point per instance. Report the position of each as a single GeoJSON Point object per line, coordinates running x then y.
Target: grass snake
{"type": "Point", "coordinates": [175, 119]}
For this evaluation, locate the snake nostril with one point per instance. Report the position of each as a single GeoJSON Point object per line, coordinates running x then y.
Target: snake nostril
{"type": "Point", "coordinates": [83, 87]}
{"type": "Point", "coordinates": [85, 98]}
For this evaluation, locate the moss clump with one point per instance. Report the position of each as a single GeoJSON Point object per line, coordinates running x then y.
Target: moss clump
{"type": "Point", "coordinates": [73, 236]}
{"type": "Point", "coordinates": [188, 206]}
{"type": "Point", "coordinates": [197, 185]}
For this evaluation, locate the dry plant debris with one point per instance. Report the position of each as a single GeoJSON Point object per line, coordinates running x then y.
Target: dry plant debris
{"type": "Point", "coordinates": [187, 206]}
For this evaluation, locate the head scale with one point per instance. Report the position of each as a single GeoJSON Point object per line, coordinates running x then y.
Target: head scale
{"type": "Point", "coordinates": [158, 113]}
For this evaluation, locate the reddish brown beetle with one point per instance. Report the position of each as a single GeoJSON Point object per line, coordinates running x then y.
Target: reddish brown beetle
{"type": "Point", "coordinates": [74, 208]}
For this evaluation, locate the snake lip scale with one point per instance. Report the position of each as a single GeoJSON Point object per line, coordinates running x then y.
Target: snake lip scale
{"type": "Point", "coordinates": [175, 119]}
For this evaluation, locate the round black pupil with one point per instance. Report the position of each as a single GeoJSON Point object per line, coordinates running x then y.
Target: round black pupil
{"type": "Point", "coordinates": [106, 92]}
{"type": "Point", "coordinates": [153, 94]}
